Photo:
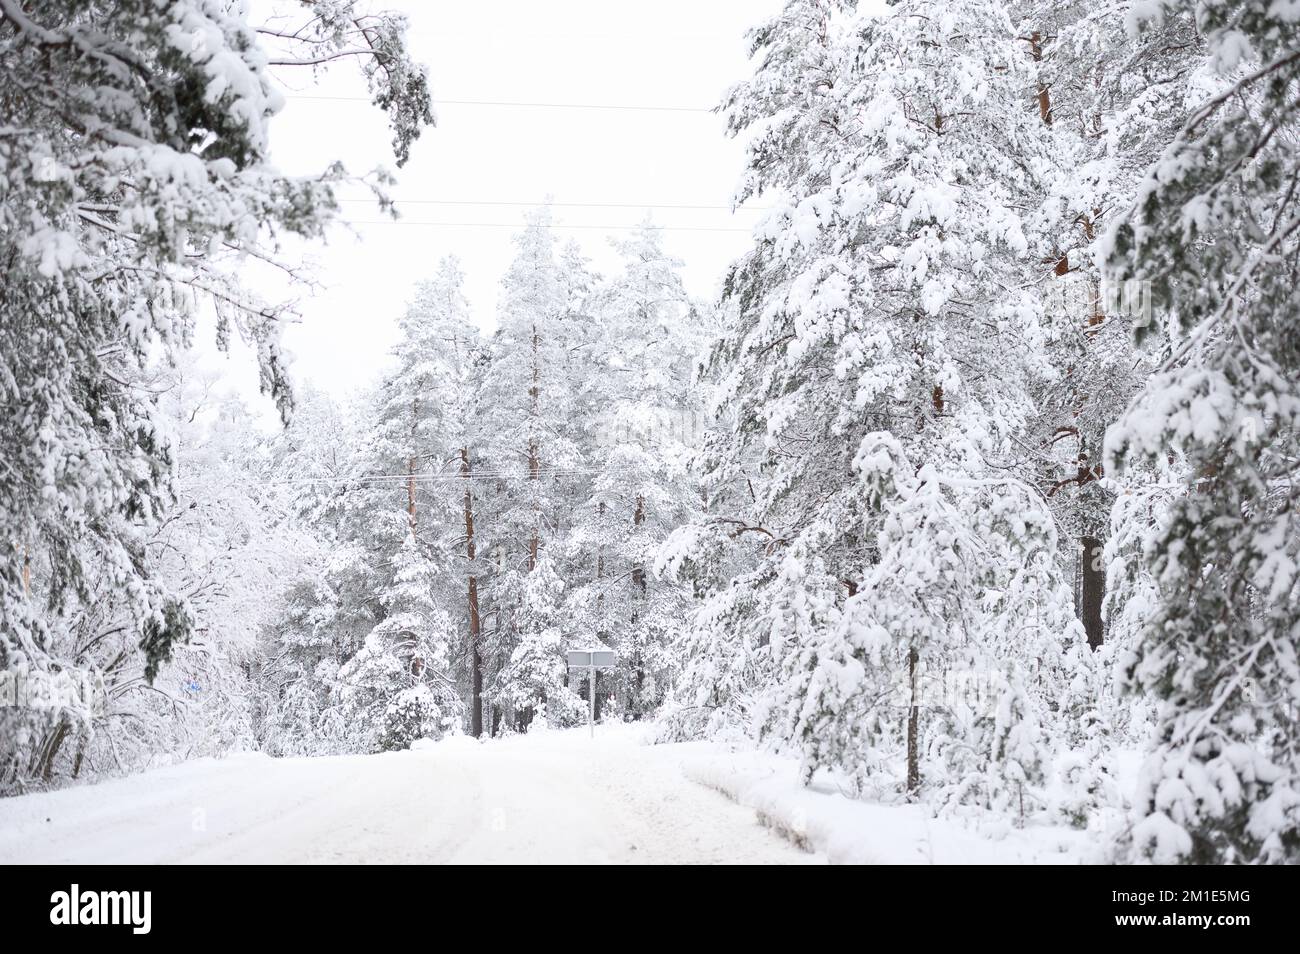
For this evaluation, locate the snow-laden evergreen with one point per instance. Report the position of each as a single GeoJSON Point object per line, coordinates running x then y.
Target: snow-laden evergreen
{"type": "Point", "coordinates": [1213, 231]}
{"type": "Point", "coordinates": [879, 367]}
{"type": "Point", "coordinates": [136, 182]}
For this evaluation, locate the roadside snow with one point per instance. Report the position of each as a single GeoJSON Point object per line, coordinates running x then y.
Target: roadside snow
{"type": "Point", "coordinates": [850, 831]}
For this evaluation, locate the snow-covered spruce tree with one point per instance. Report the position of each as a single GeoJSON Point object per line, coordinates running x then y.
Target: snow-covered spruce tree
{"type": "Point", "coordinates": [325, 611]}
{"type": "Point", "coordinates": [535, 678]}
{"type": "Point", "coordinates": [396, 689]}
{"type": "Point", "coordinates": [782, 442]}
{"type": "Point", "coordinates": [412, 524]}
{"type": "Point", "coordinates": [964, 584]}
{"type": "Point", "coordinates": [133, 179]}
{"type": "Point", "coordinates": [1214, 230]}
{"type": "Point", "coordinates": [530, 441]}
{"type": "Point", "coordinates": [644, 424]}
{"type": "Point", "coordinates": [884, 342]}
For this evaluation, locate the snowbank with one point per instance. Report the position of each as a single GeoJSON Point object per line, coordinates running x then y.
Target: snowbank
{"type": "Point", "coordinates": [850, 831]}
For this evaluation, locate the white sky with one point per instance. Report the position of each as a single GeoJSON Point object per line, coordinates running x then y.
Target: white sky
{"type": "Point", "coordinates": [669, 53]}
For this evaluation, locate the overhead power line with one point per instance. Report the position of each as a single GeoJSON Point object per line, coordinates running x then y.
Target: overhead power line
{"type": "Point", "coordinates": [565, 205]}
{"type": "Point", "coordinates": [524, 225]}
{"type": "Point", "coordinates": [400, 480]}
{"type": "Point", "coordinates": [631, 107]}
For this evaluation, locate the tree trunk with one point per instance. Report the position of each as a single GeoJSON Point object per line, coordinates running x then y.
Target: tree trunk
{"type": "Point", "coordinates": [475, 656]}
{"type": "Point", "coordinates": [1094, 578]}
{"type": "Point", "coordinates": [1044, 95]}
{"type": "Point", "coordinates": [534, 398]}
{"type": "Point", "coordinates": [600, 565]}
{"type": "Point", "coordinates": [52, 750]}
{"type": "Point", "coordinates": [411, 463]}
{"type": "Point", "coordinates": [913, 712]}
{"type": "Point", "coordinates": [1094, 591]}
{"type": "Point", "coordinates": [639, 581]}
{"type": "Point", "coordinates": [638, 571]}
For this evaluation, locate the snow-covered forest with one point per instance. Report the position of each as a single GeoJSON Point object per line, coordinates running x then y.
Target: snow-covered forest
{"type": "Point", "coordinates": [972, 494]}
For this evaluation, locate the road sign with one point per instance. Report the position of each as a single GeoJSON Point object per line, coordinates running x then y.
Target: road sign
{"type": "Point", "coordinates": [583, 659]}
{"type": "Point", "coordinates": [591, 660]}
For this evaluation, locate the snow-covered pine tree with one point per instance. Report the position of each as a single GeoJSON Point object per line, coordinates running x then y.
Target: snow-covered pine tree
{"type": "Point", "coordinates": [527, 439]}
{"type": "Point", "coordinates": [223, 545]}
{"type": "Point", "coordinates": [1214, 231]}
{"type": "Point", "coordinates": [402, 518]}
{"type": "Point", "coordinates": [1110, 103]}
{"type": "Point", "coordinates": [397, 688]}
{"type": "Point", "coordinates": [882, 319]}
{"type": "Point", "coordinates": [134, 180]}
{"type": "Point", "coordinates": [644, 425]}
{"type": "Point", "coordinates": [326, 610]}
{"type": "Point", "coordinates": [534, 681]}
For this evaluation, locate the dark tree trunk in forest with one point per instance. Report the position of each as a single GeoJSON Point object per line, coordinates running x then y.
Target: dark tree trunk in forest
{"type": "Point", "coordinates": [913, 712]}
{"type": "Point", "coordinates": [1044, 95]}
{"type": "Point", "coordinates": [639, 581]}
{"type": "Point", "coordinates": [51, 751]}
{"type": "Point", "coordinates": [475, 627]}
{"type": "Point", "coordinates": [1094, 591]}
{"type": "Point", "coordinates": [600, 565]}
{"type": "Point", "coordinates": [638, 571]}
{"type": "Point", "coordinates": [534, 400]}
{"type": "Point", "coordinates": [411, 464]}
{"type": "Point", "coordinates": [1093, 576]}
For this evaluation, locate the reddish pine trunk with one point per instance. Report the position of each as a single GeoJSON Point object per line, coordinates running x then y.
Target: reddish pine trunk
{"type": "Point", "coordinates": [411, 463]}
{"type": "Point", "coordinates": [476, 658]}
{"type": "Point", "coordinates": [1044, 95]}
{"type": "Point", "coordinates": [534, 397]}
{"type": "Point", "coordinates": [638, 571]}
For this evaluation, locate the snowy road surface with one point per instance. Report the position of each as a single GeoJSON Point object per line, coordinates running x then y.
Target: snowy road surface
{"type": "Point", "coordinates": [552, 797]}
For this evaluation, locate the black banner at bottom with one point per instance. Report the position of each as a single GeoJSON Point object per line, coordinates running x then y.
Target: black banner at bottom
{"type": "Point", "coordinates": [132, 905]}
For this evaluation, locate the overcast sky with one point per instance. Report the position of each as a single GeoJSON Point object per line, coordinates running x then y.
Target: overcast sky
{"type": "Point", "coordinates": [672, 53]}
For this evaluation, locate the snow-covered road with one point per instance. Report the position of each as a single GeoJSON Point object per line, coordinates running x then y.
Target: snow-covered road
{"type": "Point", "coordinates": [550, 797]}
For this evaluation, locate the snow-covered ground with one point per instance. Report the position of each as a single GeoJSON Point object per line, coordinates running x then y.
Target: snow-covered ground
{"type": "Point", "coordinates": [845, 830]}
{"type": "Point", "coordinates": [548, 797]}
